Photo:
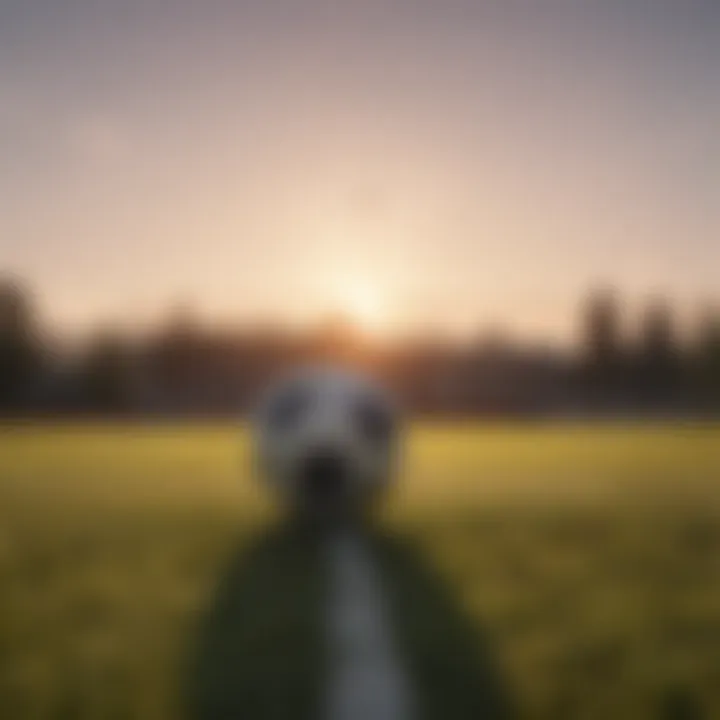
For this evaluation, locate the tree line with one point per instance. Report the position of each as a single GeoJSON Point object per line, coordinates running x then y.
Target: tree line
{"type": "Point", "coordinates": [186, 367]}
{"type": "Point", "coordinates": [653, 367]}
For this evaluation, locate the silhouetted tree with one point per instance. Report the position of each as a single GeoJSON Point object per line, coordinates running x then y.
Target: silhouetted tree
{"type": "Point", "coordinates": [106, 374]}
{"type": "Point", "coordinates": [707, 359]}
{"type": "Point", "coordinates": [603, 362]}
{"type": "Point", "coordinates": [175, 355]}
{"type": "Point", "coordinates": [20, 352]}
{"type": "Point", "coordinates": [658, 363]}
{"type": "Point", "coordinates": [488, 377]}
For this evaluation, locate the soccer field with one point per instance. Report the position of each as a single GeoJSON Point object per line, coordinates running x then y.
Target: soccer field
{"type": "Point", "coordinates": [582, 563]}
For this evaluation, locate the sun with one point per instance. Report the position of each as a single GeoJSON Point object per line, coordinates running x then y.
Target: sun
{"type": "Point", "coordinates": [364, 305]}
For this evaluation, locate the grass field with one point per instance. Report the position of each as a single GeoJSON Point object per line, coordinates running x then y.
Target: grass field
{"type": "Point", "coordinates": [584, 564]}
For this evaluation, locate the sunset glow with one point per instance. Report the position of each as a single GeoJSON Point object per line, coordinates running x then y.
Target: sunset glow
{"type": "Point", "coordinates": [364, 305]}
{"type": "Point", "coordinates": [495, 157]}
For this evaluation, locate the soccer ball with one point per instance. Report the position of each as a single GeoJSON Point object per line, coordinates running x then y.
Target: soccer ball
{"type": "Point", "coordinates": [326, 441]}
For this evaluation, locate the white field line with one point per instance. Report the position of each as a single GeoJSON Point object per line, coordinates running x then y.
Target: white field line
{"type": "Point", "coordinates": [366, 680]}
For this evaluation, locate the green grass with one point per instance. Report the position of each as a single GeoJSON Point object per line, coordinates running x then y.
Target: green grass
{"type": "Point", "coordinates": [582, 564]}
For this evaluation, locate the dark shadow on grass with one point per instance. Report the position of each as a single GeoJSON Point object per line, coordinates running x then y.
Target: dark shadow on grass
{"type": "Point", "coordinates": [261, 654]}
{"type": "Point", "coordinates": [452, 665]}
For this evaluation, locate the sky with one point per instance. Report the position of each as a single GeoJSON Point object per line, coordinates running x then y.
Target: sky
{"type": "Point", "coordinates": [451, 164]}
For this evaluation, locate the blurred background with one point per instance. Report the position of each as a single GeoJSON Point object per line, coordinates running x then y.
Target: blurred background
{"type": "Point", "coordinates": [508, 212]}
{"type": "Point", "coordinates": [638, 366]}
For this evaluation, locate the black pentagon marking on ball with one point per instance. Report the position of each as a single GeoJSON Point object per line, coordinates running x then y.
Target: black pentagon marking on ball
{"type": "Point", "coordinates": [374, 420]}
{"type": "Point", "coordinates": [289, 407]}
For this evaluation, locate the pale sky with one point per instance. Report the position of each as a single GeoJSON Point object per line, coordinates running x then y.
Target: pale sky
{"type": "Point", "coordinates": [455, 162]}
